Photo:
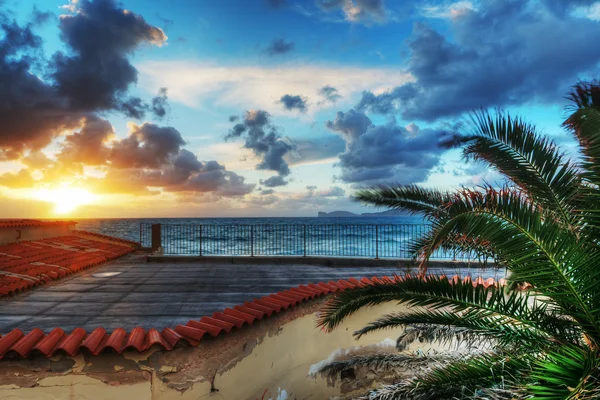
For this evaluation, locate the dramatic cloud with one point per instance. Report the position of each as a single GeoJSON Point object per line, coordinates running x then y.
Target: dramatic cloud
{"type": "Point", "coordinates": [94, 75]}
{"type": "Point", "coordinates": [279, 46]}
{"type": "Point", "coordinates": [147, 146]}
{"type": "Point", "coordinates": [199, 85]}
{"type": "Point", "coordinates": [274, 181]}
{"type": "Point", "coordinates": [263, 138]}
{"type": "Point", "coordinates": [329, 94]}
{"type": "Point", "coordinates": [503, 53]}
{"type": "Point", "coordinates": [365, 11]}
{"type": "Point", "coordinates": [88, 146]}
{"type": "Point", "coordinates": [293, 102]}
{"type": "Point", "coordinates": [30, 111]}
{"type": "Point", "coordinates": [98, 73]}
{"type": "Point", "coordinates": [376, 154]}
{"type": "Point", "coordinates": [159, 103]}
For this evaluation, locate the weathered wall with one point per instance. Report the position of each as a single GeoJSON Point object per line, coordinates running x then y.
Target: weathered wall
{"type": "Point", "coordinates": [269, 360]}
{"type": "Point", "coordinates": [11, 234]}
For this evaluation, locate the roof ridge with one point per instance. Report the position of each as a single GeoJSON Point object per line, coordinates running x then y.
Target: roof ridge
{"type": "Point", "coordinates": [18, 344]}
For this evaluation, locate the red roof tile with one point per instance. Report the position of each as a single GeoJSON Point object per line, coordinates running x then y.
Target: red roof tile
{"type": "Point", "coordinates": [27, 264]}
{"type": "Point", "coordinates": [17, 344]}
{"type": "Point", "coordinates": [17, 223]}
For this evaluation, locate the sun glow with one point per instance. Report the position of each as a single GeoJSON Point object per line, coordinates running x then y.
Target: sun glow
{"type": "Point", "coordinates": [66, 199]}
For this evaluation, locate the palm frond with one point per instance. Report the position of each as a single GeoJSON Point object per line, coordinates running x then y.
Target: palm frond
{"type": "Point", "coordinates": [438, 292]}
{"type": "Point", "coordinates": [464, 379]}
{"type": "Point", "coordinates": [533, 162]}
{"type": "Point", "coordinates": [542, 252]}
{"type": "Point", "coordinates": [487, 325]}
{"type": "Point", "coordinates": [387, 362]}
{"type": "Point", "coordinates": [433, 333]}
{"type": "Point", "coordinates": [569, 372]}
{"type": "Point", "coordinates": [410, 198]}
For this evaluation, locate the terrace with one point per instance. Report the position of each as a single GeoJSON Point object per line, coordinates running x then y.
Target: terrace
{"type": "Point", "coordinates": [92, 295]}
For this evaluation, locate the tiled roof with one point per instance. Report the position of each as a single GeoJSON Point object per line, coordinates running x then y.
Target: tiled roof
{"type": "Point", "coordinates": [18, 223]}
{"type": "Point", "coordinates": [26, 264]}
{"type": "Point", "coordinates": [18, 344]}
{"type": "Point", "coordinates": [111, 238]}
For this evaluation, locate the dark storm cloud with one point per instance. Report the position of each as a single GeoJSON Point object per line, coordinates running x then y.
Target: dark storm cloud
{"type": "Point", "coordinates": [350, 125]}
{"type": "Point", "coordinates": [274, 181]}
{"type": "Point", "coordinates": [279, 46]}
{"type": "Point", "coordinates": [505, 53]}
{"type": "Point", "coordinates": [147, 146]}
{"type": "Point", "coordinates": [293, 102]}
{"type": "Point", "coordinates": [88, 145]}
{"type": "Point", "coordinates": [265, 192]}
{"type": "Point", "coordinates": [264, 139]}
{"type": "Point", "coordinates": [93, 76]}
{"type": "Point", "coordinates": [30, 111]}
{"type": "Point", "coordinates": [377, 153]}
{"type": "Point", "coordinates": [98, 73]}
{"type": "Point", "coordinates": [329, 94]}
{"type": "Point", "coordinates": [159, 103]}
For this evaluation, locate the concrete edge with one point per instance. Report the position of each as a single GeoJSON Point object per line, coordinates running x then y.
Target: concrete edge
{"type": "Point", "coordinates": [312, 260]}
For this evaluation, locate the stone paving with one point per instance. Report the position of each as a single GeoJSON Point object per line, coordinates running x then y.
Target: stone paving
{"type": "Point", "coordinates": [159, 295]}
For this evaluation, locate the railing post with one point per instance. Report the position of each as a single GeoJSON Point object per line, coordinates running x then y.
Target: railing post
{"type": "Point", "coordinates": [377, 242]}
{"type": "Point", "coordinates": [200, 240]}
{"type": "Point", "coordinates": [156, 237]}
{"type": "Point", "coordinates": [304, 240]}
{"type": "Point", "coordinates": [251, 240]}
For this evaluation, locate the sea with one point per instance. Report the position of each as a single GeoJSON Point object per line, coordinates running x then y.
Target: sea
{"type": "Point", "coordinates": [129, 228]}
{"type": "Point", "coordinates": [372, 237]}
{"type": "Point", "coordinates": [361, 237]}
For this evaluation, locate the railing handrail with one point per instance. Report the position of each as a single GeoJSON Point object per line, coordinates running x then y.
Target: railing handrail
{"type": "Point", "coordinates": [372, 240]}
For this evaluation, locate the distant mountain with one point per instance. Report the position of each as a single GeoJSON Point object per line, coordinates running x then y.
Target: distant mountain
{"type": "Point", "coordinates": [340, 214]}
{"type": "Point", "coordinates": [337, 214]}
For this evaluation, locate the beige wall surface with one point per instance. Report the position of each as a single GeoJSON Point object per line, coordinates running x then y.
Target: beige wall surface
{"type": "Point", "coordinates": [9, 235]}
{"type": "Point", "coordinates": [272, 359]}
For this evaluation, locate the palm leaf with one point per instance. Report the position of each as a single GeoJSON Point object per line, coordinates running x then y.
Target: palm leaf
{"type": "Point", "coordinates": [538, 251]}
{"type": "Point", "coordinates": [386, 362]}
{"type": "Point", "coordinates": [410, 198]}
{"type": "Point", "coordinates": [570, 372]}
{"type": "Point", "coordinates": [531, 161]}
{"type": "Point", "coordinates": [461, 379]}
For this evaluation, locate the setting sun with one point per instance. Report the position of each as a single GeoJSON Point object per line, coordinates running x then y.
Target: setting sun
{"type": "Point", "coordinates": [66, 199]}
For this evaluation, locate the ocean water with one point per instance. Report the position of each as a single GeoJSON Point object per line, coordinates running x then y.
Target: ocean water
{"type": "Point", "coordinates": [370, 237]}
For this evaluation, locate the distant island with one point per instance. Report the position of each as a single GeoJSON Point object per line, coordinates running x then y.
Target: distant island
{"type": "Point", "coordinates": [342, 214]}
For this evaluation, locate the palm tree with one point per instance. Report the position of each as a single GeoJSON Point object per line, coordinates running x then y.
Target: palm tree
{"type": "Point", "coordinates": [542, 339]}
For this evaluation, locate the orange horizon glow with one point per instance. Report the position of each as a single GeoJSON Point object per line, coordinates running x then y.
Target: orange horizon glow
{"type": "Point", "coordinates": [66, 199]}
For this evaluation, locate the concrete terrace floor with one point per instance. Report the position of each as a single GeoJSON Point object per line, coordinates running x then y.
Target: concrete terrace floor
{"type": "Point", "coordinates": [159, 295]}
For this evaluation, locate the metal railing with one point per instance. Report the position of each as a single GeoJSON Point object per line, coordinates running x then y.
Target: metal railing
{"type": "Point", "coordinates": [356, 240]}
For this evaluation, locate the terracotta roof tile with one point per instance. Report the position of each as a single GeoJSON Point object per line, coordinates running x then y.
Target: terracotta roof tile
{"type": "Point", "coordinates": [17, 344]}
{"type": "Point", "coordinates": [18, 223]}
{"type": "Point", "coordinates": [24, 265]}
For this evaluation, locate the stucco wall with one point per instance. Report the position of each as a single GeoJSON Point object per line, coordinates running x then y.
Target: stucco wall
{"type": "Point", "coordinates": [269, 360]}
{"type": "Point", "coordinates": [9, 235]}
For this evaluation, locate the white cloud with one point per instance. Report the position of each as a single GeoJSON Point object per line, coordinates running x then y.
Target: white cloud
{"type": "Point", "coordinates": [447, 10]}
{"type": "Point", "coordinates": [591, 12]}
{"type": "Point", "coordinates": [196, 84]}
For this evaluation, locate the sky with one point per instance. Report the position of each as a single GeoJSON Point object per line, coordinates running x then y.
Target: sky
{"type": "Point", "coordinates": [252, 108]}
